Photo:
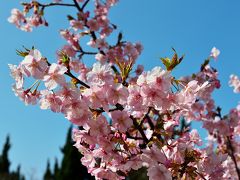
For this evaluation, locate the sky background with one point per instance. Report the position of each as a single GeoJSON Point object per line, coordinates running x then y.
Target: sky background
{"type": "Point", "coordinates": [191, 27]}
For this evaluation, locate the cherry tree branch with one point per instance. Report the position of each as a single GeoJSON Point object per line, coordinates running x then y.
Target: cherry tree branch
{"type": "Point", "coordinates": [139, 128]}
{"type": "Point", "coordinates": [92, 33]}
{"type": "Point", "coordinates": [231, 154]}
{"type": "Point", "coordinates": [132, 137]}
{"type": "Point", "coordinates": [68, 73]}
{"type": "Point", "coordinates": [52, 4]}
{"type": "Point", "coordinates": [85, 4]}
{"type": "Point", "coordinates": [77, 5]}
{"type": "Point", "coordinates": [56, 4]}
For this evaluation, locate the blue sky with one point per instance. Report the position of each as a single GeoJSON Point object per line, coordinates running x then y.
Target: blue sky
{"type": "Point", "coordinates": [191, 27]}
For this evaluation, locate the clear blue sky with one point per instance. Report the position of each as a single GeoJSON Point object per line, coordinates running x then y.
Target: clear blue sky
{"type": "Point", "coordinates": [191, 27]}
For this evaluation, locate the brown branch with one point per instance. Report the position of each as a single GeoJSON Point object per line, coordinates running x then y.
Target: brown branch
{"type": "Point", "coordinates": [92, 33]}
{"type": "Point", "coordinates": [80, 9]}
{"type": "Point", "coordinates": [118, 107]}
{"type": "Point", "coordinates": [52, 4]}
{"type": "Point", "coordinates": [231, 154]}
{"type": "Point", "coordinates": [84, 5]}
{"type": "Point", "coordinates": [150, 122]}
{"type": "Point", "coordinates": [89, 53]}
{"type": "Point", "coordinates": [139, 128]}
{"type": "Point", "coordinates": [149, 119]}
{"type": "Point", "coordinates": [132, 137]}
{"type": "Point", "coordinates": [201, 175]}
{"type": "Point", "coordinates": [145, 116]}
{"type": "Point", "coordinates": [68, 73]}
{"type": "Point", "coordinates": [86, 52]}
{"type": "Point", "coordinates": [77, 5]}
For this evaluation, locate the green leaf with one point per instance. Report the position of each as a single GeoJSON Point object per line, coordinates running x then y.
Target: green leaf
{"type": "Point", "coordinates": [170, 64]}
{"type": "Point", "coordinates": [166, 62]}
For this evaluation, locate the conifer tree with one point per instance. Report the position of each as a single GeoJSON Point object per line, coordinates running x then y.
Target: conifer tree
{"type": "Point", "coordinates": [56, 169]}
{"type": "Point", "coordinates": [5, 173]}
{"type": "Point", "coordinates": [48, 174]}
{"type": "Point", "coordinates": [4, 161]}
{"type": "Point", "coordinates": [16, 175]}
{"type": "Point", "coordinates": [71, 166]}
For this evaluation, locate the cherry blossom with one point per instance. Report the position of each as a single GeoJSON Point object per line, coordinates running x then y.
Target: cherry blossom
{"type": "Point", "coordinates": [34, 65]}
{"type": "Point", "coordinates": [17, 18]}
{"type": "Point", "coordinates": [159, 171]}
{"type": "Point", "coordinates": [100, 74]}
{"type": "Point", "coordinates": [129, 118]}
{"type": "Point", "coordinates": [54, 76]}
{"type": "Point", "coordinates": [215, 53]}
{"type": "Point", "coordinates": [235, 83]}
{"type": "Point", "coordinates": [16, 73]}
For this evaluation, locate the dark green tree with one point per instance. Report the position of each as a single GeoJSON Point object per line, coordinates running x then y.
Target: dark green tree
{"type": "Point", "coordinates": [4, 161]}
{"type": "Point", "coordinates": [5, 173]}
{"type": "Point", "coordinates": [140, 174]}
{"type": "Point", "coordinates": [56, 169]}
{"type": "Point", "coordinates": [71, 167]}
{"type": "Point", "coordinates": [48, 173]}
{"type": "Point", "coordinates": [16, 175]}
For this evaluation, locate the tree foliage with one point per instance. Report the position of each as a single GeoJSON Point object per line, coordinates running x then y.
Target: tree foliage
{"type": "Point", "coordinates": [71, 166]}
{"type": "Point", "coordinates": [5, 173]}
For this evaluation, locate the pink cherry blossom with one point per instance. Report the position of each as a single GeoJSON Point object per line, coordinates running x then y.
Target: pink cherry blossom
{"type": "Point", "coordinates": [76, 25]}
{"type": "Point", "coordinates": [26, 96]}
{"type": "Point", "coordinates": [139, 69]}
{"type": "Point", "coordinates": [34, 64]}
{"type": "Point", "coordinates": [194, 136]}
{"type": "Point", "coordinates": [55, 76]}
{"type": "Point", "coordinates": [99, 126]}
{"type": "Point", "coordinates": [51, 101]}
{"type": "Point", "coordinates": [97, 97]}
{"type": "Point", "coordinates": [17, 18]}
{"type": "Point", "coordinates": [16, 73]}
{"type": "Point", "coordinates": [153, 155]}
{"type": "Point", "coordinates": [121, 120]}
{"type": "Point", "coordinates": [68, 50]}
{"type": "Point", "coordinates": [100, 74]}
{"type": "Point", "coordinates": [93, 25]}
{"type": "Point", "coordinates": [76, 110]}
{"type": "Point", "coordinates": [215, 53]}
{"type": "Point", "coordinates": [235, 83]}
{"type": "Point", "coordinates": [117, 94]}
{"type": "Point", "coordinates": [135, 99]}
{"type": "Point", "coordinates": [159, 171]}
{"type": "Point", "coordinates": [130, 118]}
{"type": "Point", "coordinates": [72, 39]}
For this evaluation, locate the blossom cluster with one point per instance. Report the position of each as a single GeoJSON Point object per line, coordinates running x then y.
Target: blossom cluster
{"type": "Point", "coordinates": [128, 118]}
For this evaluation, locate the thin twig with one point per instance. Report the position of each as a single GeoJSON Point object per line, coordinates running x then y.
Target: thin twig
{"type": "Point", "coordinates": [53, 4]}
{"type": "Point", "coordinates": [201, 175]}
{"type": "Point", "coordinates": [231, 154]}
{"type": "Point", "coordinates": [132, 137]}
{"type": "Point", "coordinates": [68, 73]}
{"type": "Point", "coordinates": [139, 128]}
{"type": "Point", "coordinates": [84, 5]}
{"type": "Point", "coordinates": [78, 80]}
{"type": "Point", "coordinates": [86, 52]}
{"type": "Point", "coordinates": [77, 5]}
{"type": "Point", "coordinates": [150, 122]}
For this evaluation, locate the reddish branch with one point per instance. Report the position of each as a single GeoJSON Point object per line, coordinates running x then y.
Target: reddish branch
{"type": "Point", "coordinates": [139, 128]}
{"type": "Point", "coordinates": [68, 73]}
{"type": "Point", "coordinates": [52, 4]}
{"type": "Point", "coordinates": [231, 154]}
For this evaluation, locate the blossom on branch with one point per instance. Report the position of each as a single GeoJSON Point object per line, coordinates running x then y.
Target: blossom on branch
{"type": "Point", "coordinates": [129, 118]}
